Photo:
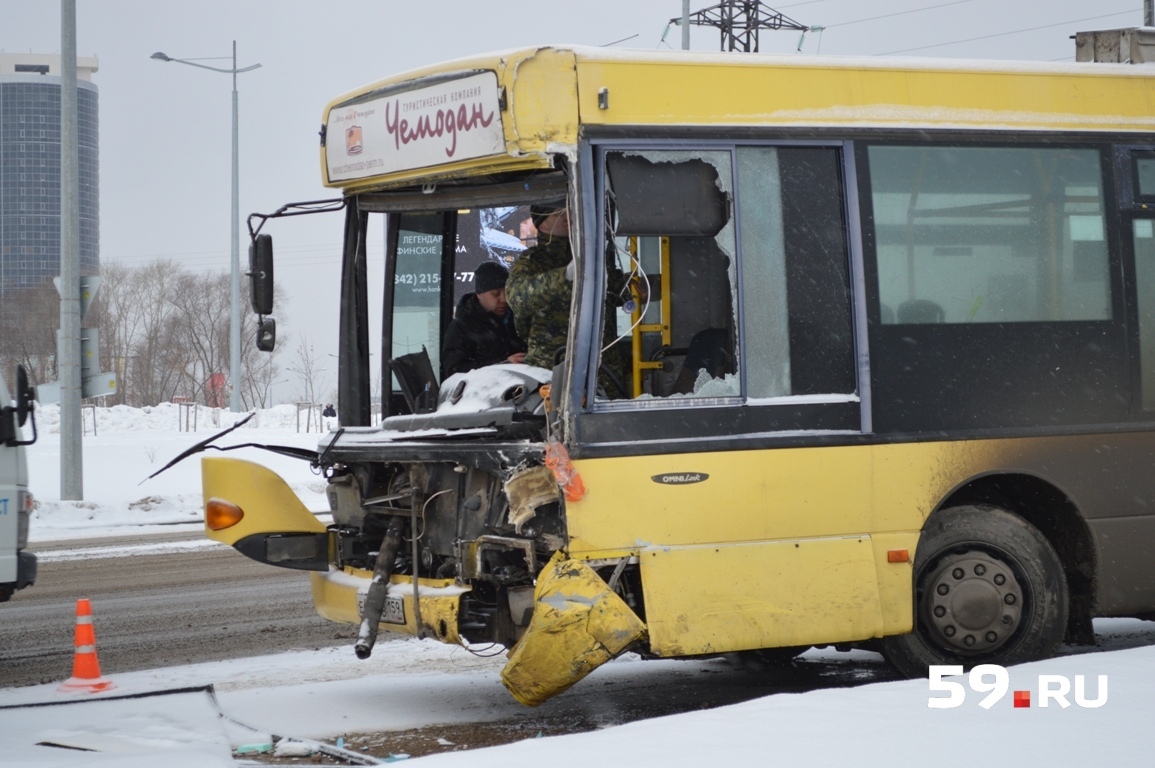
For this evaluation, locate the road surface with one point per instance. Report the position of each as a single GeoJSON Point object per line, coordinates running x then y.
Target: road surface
{"type": "Point", "coordinates": [156, 609]}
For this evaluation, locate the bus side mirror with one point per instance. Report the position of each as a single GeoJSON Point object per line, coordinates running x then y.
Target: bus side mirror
{"type": "Point", "coordinates": [266, 334]}
{"type": "Point", "coordinates": [261, 275]}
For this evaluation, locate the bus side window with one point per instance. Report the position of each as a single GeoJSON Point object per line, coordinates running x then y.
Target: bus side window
{"type": "Point", "coordinates": [990, 234]}
{"type": "Point", "coordinates": [795, 272]}
{"type": "Point", "coordinates": [682, 201]}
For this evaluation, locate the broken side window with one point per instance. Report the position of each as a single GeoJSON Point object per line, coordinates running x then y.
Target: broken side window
{"type": "Point", "coordinates": [670, 247]}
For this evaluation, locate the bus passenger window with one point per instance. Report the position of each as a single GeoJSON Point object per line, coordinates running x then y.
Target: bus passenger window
{"type": "Point", "coordinates": [795, 272]}
{"type": "Point", "coordinates": [670, 239]}
{"type": "Point", "coordinates": [989, 234]}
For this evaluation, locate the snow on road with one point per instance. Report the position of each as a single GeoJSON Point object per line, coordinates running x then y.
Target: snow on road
{"type": "Point", "coordinates": [324, 694]}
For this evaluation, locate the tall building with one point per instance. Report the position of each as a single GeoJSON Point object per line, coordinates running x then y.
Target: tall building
{"type": "Point", "coordinates": [30, 168]}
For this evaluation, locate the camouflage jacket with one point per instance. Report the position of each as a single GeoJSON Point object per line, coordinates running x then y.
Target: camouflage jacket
{"type": "Point", "coordinates": [540, 297]}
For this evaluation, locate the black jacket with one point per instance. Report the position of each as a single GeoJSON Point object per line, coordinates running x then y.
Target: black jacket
{"type": "Point", "coordinates": [476, 338]}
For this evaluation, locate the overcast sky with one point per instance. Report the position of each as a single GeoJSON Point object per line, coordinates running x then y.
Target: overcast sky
{"type": "Point", "coordinates": [165, 128]}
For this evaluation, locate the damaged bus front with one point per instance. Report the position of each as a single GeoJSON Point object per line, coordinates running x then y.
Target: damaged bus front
{"type": "Point", "coordinates": [449, 515]}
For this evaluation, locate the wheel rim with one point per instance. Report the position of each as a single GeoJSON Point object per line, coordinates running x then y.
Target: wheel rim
{"type": "Point", "coordinates": [973, 603]}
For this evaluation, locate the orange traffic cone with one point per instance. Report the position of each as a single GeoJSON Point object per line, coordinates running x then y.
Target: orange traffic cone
{"type": "Point", "coordinates": [85, 668]}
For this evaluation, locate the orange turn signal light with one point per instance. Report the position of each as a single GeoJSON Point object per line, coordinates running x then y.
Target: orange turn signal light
{"type": "Point", "coordinates": [898, 556]}
{"type": "Point", "coordinates": [221, 514]}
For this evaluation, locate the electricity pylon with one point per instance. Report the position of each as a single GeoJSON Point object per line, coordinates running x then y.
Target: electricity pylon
{"type": "Point", "coordinates": [740, 21]}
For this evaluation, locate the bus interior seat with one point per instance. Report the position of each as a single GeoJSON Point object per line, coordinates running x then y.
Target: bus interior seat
{"type": "Point", "coordinates": [700, 293]}
{"type": "Point", "coordinates": [414, 373]}
{"type": "Point", "coordinates": [710, 350]}
{"type": "Point", "coordinates": [885, 314]}
{"type": "Point", "coordinates": [920, 312]}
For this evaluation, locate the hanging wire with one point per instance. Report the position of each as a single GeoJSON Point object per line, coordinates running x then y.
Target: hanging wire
{"type": "Point", "coordinates": [635, 270]}
{"type": "Point", "coordinates": [423, 508]}
{"type": "Point", "coordinates": [486, 652]}
{"type": "Point", "coordinates": [1004, 34]}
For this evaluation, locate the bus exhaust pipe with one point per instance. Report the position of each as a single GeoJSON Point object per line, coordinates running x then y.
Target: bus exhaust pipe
{"type": "Point", "coordinates": [375, 599]}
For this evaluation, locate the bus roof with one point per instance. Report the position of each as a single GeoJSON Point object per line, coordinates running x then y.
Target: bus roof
{"type": "Point", "coordinates": [508, 111]}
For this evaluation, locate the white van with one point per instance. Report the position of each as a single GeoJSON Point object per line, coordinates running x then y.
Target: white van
{"type": "Point", "coordinates": [17, 567]}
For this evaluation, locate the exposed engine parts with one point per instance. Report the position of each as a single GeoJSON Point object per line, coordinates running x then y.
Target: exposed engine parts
{"type": "Point", "coordinates": [448, 521]}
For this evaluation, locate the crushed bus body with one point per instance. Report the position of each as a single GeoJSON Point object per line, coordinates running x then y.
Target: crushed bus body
{"type": "Point", "coordinates": [831, 352]}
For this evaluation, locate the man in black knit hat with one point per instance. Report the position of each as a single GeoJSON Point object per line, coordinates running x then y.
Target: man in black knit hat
{"type": "Point", "coordinates": [482, 330]}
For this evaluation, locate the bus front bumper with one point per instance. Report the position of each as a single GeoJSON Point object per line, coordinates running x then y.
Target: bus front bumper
{"type": "Point", "coordinates": [339, 595]}
{"type": "Point", "coordinates": [578, 623]}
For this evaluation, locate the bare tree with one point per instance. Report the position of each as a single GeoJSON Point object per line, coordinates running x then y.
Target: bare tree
{"type": "Point", "coordinates": [29, 318]}
{"type": "Point", "coordinates": [201, 306]}
{"type": "Point", "coordinates": [114, 320]}
{"type": "Point", "coordinates": [310, 374]}
{"type": "Point", "coordinates": [140, 309]}
{"type": "Point", "coordinates": [164, 331]}
{"type": "Point", "coordinates": [260, 373]}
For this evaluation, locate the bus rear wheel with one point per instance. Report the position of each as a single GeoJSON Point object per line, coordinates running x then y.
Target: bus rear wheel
{"type": "Point", "coordinates": [989, 589]}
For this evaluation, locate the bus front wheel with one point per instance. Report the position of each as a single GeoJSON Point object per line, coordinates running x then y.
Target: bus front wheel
{"type": "Point", "coordinates": [989, 589]}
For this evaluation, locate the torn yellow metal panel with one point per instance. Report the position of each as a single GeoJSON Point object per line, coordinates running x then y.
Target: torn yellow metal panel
{"type": "Point", "coordinates": [543, 101]}
{"type": "Point", "coordinates": [269, 504]}
{"type": "Point", "coordinates": [714, 599]}
{"type": "Point", "coordinates": [578, 624]}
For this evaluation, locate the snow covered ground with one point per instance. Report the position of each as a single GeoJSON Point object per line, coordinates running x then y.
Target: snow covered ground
{"type": "Point", "coordinates": [130, 444]}
{"type": "Point", "coordinates": [324, 694]}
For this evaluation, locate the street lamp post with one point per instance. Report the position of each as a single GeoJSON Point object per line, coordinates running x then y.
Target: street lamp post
{"type": "Point", "coordinates": [235, 288]}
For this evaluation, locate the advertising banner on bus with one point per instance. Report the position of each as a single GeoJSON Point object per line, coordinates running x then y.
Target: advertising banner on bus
{"type": "Point", "coordinates": [444, 123]}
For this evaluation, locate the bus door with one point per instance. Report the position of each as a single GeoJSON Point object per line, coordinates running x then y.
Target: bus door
{"type": "Point", "coordinates": [728, 466]}
{"type": "Point", "coordinates": [1126, 570]}
{"type": "Point", "coordinates": [1137, 169]}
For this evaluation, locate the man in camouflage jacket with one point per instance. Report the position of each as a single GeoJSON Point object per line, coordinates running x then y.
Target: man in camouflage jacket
{"type": "Point", "coordinates": [540, 289]}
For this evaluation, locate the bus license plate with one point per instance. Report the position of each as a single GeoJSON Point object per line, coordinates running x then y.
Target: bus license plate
{"type": "Point", "coordinates": [392, 613]}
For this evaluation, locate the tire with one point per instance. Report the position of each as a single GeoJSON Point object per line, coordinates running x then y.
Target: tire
{"type": "Point", "coordinates": [989, 589]}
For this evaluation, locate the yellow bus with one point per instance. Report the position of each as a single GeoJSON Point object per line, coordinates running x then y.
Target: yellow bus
{"type": "Point", "coordinates": [860, 352]}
